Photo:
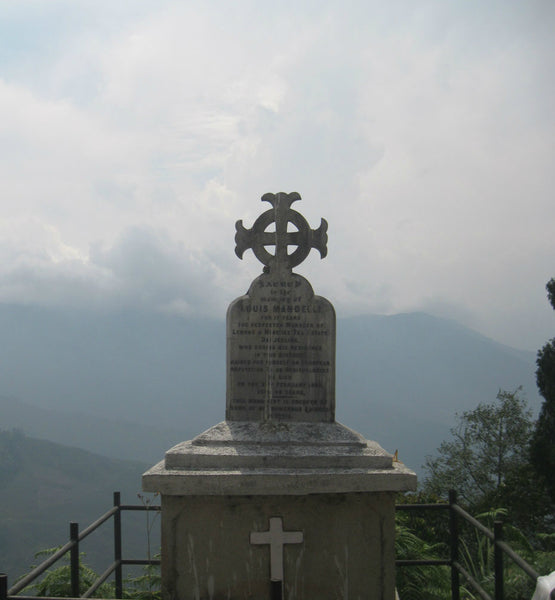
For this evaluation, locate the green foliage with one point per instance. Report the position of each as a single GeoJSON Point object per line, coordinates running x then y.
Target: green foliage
{"type": "Point", "coordinates": [542, 448]}
{"type": "Point", "coordinates": [57, 581]}
{"type": "Point", "coordinates": [430, 525]}
{"type": "Point", "coordinates": [412, 542]}
{"type": "Point", "coordinates": [488, 462]}
{"type": "Point", "coordinates": [489, 444]}
{"type": "Point", "coordinates": [550, 287]}
{"type": "Point", "coordinates": [476, 553]}
{"type": "Point", "coordinates": [527, 501]}
{"type": "Point", "coordinates": [146, 586]}
{"type": "Point", "coordinates": [477, 556]}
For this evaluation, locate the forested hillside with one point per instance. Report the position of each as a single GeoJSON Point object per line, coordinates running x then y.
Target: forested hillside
{"type": "Point", "coordinates": [46, 485]}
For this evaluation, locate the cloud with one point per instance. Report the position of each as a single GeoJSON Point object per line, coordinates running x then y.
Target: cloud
{"type": "Point", "coordinates": [422, 133]}
{"type": "Point", "coordinates": [37, 267]}
{"type": "Point", "coordinates": [144, 269]}
{"type": "Point", "coordinates": [157, 273]}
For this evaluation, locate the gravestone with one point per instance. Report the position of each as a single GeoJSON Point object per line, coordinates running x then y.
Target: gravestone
{"type": "Point", "coordinates": [280, 336]}
{"type": "Point", "coordinates": [279, 500]}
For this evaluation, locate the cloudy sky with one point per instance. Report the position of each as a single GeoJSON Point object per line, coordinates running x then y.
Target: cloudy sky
{"type": "Point", "coordinates": [135, 133]}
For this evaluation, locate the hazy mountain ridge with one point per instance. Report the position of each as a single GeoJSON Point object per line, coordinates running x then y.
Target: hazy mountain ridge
{"type": "Point", "coordinates": [45, 485]}
{"type": "Point", "coordinates": [108, 437]}
{"type": "Point", "coordinates": [417, 371]}
{"type": "Point", "coordinates": [148, 380]}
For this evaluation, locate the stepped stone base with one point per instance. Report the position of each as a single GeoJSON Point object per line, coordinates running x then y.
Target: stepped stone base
{"type": "Point", "coordinates": [265, 458]}
{"type": "Point", "coordinates": [329, 491]}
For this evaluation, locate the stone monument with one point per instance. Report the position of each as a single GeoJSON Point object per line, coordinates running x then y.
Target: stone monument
{"type": "Point", "coordinates": [279, 500]}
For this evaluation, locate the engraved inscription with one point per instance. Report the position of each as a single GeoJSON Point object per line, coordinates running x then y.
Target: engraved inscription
{"type": "Point", "coordinates": [281, 353]}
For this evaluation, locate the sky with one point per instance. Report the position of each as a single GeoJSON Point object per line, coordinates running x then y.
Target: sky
{"type": "Point", "coordinates": [134, 134]}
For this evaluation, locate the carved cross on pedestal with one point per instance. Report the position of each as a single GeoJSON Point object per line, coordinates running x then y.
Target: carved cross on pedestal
{"type": "Point", "coordinates": [282, 236]}
{"type": "Point", "coordinates": [276, 538]}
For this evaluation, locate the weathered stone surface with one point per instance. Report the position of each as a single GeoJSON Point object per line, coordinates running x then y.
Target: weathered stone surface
{"type": "Point", "coordinates": [347, 548]}
{"type": "Point", "coordinates": [293, 434]}
{"type": "Point", "coordinates": [281, 353]}
{"type": "Point", "coordinates": [272, 229]}
{"type": "Point", "coordinates": [284, 458]}
{"type": "Point", "coordinates": [237, 445]}
{"type": "Point", "coordinates": [277, 480]}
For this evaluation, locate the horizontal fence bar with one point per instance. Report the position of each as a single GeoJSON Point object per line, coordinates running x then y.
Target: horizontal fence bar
{"type": "Point", "coordinates": [48, 598]}
{"type": "Point", "coordinates": [140, 562]}
{"type": "Point", "coordinates": [421, 506]}
{"type": "Point", "coordinates": [424, 562]}
{"type": "Point", "coordinates": [140, 507]}
{"type": "Point", "coordinates": [473, 583]}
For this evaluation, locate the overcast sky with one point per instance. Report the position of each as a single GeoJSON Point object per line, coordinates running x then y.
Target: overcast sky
{"type": "Point", "coordinates": [135, 133]}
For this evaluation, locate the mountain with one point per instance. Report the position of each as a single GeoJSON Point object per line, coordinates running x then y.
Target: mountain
{"type": "Point", "coordinates": [46, 485]}
{"type": "Point", "coordinates": [142, 381]}
{"type": "Point", "coordinates": [159, 370]}
{"type": "Point", "coordinates": [402, 379]}
{"type": "Point", "coordinates": [118, 438]}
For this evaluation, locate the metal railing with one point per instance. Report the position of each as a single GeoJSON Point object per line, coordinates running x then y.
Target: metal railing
{"type": "Point", "coordinates": [500, 549]}
{"type": "Point", "coordinates": [72, 547]}
{"type": "Point", "coordinates": [456, 513]}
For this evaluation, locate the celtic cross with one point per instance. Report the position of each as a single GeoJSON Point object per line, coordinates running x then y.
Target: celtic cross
{"type": "Point", "coordinates": [281, 214]}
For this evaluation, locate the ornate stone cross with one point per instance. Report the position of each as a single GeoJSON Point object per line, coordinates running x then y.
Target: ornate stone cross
{"type": "Point", "coordinates": [276, 538]}
{"type": "Point", "coordinates": [281, 214]}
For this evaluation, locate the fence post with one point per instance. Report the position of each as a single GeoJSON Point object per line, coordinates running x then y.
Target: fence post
{"type": "Point", "coordinates": [117, 546]}
{"type": "Point", "coordinates": [454, 545]}
{"type": "Point", "coordinates": [74, 558]}
{"type": "Point", "coordinates": [498, 560]}
{"type": "Point", "coordinates": [276, 590]}
{"type": "Point", "coordinates": [3, 586]}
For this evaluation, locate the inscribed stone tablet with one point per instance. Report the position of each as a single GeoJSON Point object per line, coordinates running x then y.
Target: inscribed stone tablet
{"type": "Point", "coordinates": [281, 353]}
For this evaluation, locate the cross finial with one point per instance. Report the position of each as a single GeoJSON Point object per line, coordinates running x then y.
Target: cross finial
{"type": "Point", "coordinates": [281, 214]}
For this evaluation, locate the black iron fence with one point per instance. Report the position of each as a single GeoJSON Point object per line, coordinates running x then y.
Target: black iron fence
{"type": "Point", "coordinates": [456, 514]}
{"type": "Point", "coordinates": [72, 547]}
{"type": "Point", "coordinates": [500, 550]}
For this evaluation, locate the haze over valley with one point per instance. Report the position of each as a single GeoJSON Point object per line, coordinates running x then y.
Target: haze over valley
{"type": "Point", "coordinates": [130, 385]}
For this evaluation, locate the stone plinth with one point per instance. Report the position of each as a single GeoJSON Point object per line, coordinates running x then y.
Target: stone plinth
{"type": "Point", "coordinates": [347, 550]}
{"type": "Point", "coordinates": [321, 479]}
{"type": "Point", "coordinates": [263, 458]}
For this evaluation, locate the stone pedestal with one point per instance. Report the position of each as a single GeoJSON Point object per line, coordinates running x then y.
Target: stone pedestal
{"type": "Point", "coordinates": [279, 497]}
{"type": "Point", "coordinates": [318, 497]}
